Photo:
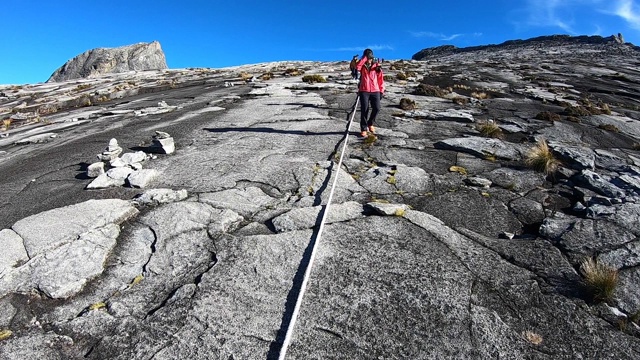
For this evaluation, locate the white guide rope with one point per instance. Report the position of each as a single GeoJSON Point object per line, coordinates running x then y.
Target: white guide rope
{"type": "Point", "coordinates": [307, 272]}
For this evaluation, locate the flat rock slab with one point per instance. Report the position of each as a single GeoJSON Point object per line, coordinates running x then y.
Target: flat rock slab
{"type": "Point", "coordinates": [483, 147]}
{"type": "Point", "coordinates": [50, 229]}
{"type": "Point", "coordinates": [307, 218]}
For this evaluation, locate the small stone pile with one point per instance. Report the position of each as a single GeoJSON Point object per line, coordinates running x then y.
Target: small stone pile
{"type": "Point", "coordinates": [122, 170]}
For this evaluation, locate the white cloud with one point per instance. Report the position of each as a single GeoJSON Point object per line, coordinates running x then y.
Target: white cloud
{"type": "Point", "coordinates": [629, 11]}
{"type": "Point", "coordinates": [558, 13]}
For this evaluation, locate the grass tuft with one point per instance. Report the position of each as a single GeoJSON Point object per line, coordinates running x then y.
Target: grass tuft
{"type": "Point", "coordinates": [5, 334]}
{"type": "Point", "coordinates": [98, 306]}
{"type": "Point", "coordinates": [601, 280]}
{"type": "Point", "coordinates": [541, 159]}
{"type": "Point", "coordinates": [458, 169]}
{"type": "Point", "coordinates": [490, 129]}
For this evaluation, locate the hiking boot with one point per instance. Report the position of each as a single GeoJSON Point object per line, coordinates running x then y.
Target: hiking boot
{"type": "Point", "coordinates": [363, 134]}
{"type": "Point", "coordinates": [372, 129]}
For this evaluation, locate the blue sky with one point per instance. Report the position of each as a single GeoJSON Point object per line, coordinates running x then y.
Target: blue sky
{"type": "Point", "coordinates": [39, 36]}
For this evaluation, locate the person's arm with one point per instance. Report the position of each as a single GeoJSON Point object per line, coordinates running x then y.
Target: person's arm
{"type": "Point", "coordinates": [361, 63]}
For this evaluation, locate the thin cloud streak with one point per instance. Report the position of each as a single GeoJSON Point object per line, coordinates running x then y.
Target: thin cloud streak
{"type": "Point", "coordinates": [560, 13]}
{"type": "Point", "coordinates": [439, 36]}
{"type": "Point", "coordinates": [629, 11]}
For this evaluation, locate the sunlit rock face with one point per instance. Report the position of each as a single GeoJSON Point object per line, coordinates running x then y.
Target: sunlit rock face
{"type": "Point", "coordinates": [136, 57]}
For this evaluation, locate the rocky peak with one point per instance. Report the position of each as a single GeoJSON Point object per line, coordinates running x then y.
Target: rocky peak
{"type": "Point", "coordinates": [141, 56]}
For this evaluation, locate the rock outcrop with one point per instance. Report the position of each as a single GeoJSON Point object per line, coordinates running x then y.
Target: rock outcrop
{"type": "Point", "coordinates": [100, 61]}
{"type": "Point", "coordinates": [442, 240]}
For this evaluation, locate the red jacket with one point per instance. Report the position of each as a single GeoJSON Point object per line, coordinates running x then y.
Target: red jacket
{"type": "Point", "coordinates": [371, 80]}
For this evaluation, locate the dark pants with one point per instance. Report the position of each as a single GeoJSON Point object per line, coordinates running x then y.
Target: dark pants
{"type": "Point", "coordinates": [354, 74]}
{"type": "Point", "coordinates": [365, 97]}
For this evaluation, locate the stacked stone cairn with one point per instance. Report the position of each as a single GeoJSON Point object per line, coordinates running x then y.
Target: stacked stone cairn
{"type": "Point", "coordinates": [124, 170]}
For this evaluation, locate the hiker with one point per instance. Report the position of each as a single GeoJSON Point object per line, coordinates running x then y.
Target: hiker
{"type": "Point", "coordinates": [371, 89]}
{"type": "Point", "coordinates": [354, 67]}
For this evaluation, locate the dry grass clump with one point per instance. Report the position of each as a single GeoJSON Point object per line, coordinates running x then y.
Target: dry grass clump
{"type": "Point", "coordinates": [576, 111]}
{"type": "Point", "coordinates": [6, 123]}
{"type": "Point", "coordinates": [5, 334]}
{"type": "Point", "coordinates": [609, 127]}
{"type": "Point", "coordinates": [490, 129]}
{"type": "Point", "coordinates": [267, 76]}
{"type": "Point", "coordinates": [548, 116]}
{"type": "Point", "coordinates": [480, 95]}
{"type": "Point", "coordinates": [315, 78]}
{"type": "Point", "coordinates": [458, 169]}
{"type": "Point", "coordinates": [401, 76]}
{"type": "Point", "coordinates": [82, 87]}
{"type": "Point", "coordinates": [407, 104]}
{"type": "Point", "coordinates": [245, 76]}
{"type": "Point", "coordinates": [574, 119]}
{"type": "Point", "coordinates": [601, 280]}
{"type": "Point", "coordinates": [541, 159]}
{"type": "Point", "coordinates": [532, 337]}
{"type": "Point", "coordinates": [388, 78]}
{"type": "Point", "coordinates": [293, 72]}
{"type": "Point", "coordinates": [430, 90]}
{"type": "Point", "coordinates": [460, 101]}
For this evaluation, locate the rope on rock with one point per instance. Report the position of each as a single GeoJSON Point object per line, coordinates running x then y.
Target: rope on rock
{"type": "Point", "coordinates": [307, 272]}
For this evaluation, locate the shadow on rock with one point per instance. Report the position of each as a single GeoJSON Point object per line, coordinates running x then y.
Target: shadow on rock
{"type": "Point", "coordinates": [82, 171]}
{"type": "Point", "coordinates": [270, 130]}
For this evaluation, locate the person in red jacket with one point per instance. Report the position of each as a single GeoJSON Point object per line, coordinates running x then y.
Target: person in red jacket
{"type": "Point", "coordinates": [370, 90]}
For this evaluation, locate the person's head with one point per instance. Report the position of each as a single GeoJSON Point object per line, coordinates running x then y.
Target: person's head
{"type": "Point", "coordinates": [368, 53]}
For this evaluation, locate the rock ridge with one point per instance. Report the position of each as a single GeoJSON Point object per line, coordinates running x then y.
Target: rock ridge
{"type": "Point", "coordinates": [613, 41]}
